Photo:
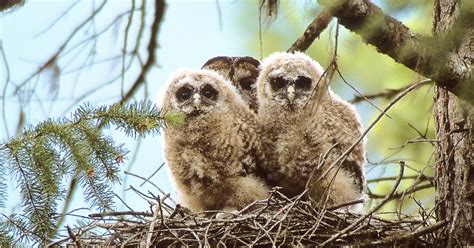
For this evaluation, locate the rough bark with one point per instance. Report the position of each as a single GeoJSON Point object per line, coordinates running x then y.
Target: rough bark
{"type": "Point", "coordinates": [312, 32]}
{"type": "Point", "coordinates": [434, 58]}
{"type": "Point", "coordinates": [454, 131]}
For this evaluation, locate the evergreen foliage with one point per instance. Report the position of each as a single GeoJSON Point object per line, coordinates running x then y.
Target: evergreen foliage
{"type": "Point", "coordinates": [44, 157]}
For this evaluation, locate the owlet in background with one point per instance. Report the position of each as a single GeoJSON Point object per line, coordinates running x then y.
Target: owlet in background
{"type": "Point", "coordinates": [305, 128]}
{"type": "Point", "coordinates": [242, 72]}
{"type": "Point", "coordinates": [213, 154]}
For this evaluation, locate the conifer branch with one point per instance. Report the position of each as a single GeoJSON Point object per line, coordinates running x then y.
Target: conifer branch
{"type": "Point", "coordinates": [41, 158]}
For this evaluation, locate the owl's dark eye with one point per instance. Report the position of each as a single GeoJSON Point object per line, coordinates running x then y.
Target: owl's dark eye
{"type": "Point", "coordinates": [303, 83]}
{"type": "Point", "coordinates": [247, 83]}
{"type": "Point", "coordinates": [184, 93]}
{"type": "Point", "coordinates": [278, 83]}
{"type": "Point", "coordinates": [209, 92]}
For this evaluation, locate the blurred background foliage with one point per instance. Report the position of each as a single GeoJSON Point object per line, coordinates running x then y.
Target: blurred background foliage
{"type": "Point", "coordinates": [392, 139]}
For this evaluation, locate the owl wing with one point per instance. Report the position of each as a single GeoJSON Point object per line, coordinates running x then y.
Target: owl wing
{"type": "Point", "coordinates": [354, 163]}
{"type": "Point", "coordinates": [340, 130]}
{"type": "Point", "coordinates": [251, 153]}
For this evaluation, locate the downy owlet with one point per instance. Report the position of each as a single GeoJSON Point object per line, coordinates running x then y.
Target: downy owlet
{"type": "Point", "coordinates": [242, 72]}
{"type": "Point", "coordinates": [213, 155]}
{"type": "Point", "coordinates": [305, 128]}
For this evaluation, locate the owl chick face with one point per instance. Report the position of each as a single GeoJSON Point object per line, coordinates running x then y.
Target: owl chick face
{"type": "Point", "coordinates": [196, 93]}
{"type": "Point", "coordinates": [242, 72]}
{"type": "Point", "coordinates": [289, 80]}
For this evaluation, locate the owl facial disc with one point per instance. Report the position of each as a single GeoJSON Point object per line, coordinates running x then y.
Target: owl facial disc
{"type": "Point", "coordinates": [195, 99]}
{"type": "Point", "coordinates": [291, 91]}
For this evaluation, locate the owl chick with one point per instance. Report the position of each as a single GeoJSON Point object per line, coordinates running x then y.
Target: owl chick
{"type": "Point", "coordinates": [305, 128]}
{"type": "Point", "coordinates": [213, 154]}
{"type": "Point", "coordinates": [242, 72]}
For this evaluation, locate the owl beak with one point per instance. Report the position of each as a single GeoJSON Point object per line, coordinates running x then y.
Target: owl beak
{"type": "Point", "coordinates": [197, 100]}
{"type": "Point", "coordinates": [290, 93]}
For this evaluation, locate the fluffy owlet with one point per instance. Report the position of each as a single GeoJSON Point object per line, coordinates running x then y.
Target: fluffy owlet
{"type": "Point", "coordinates": [242, 72]}
{"type": "Point", "coordinates": [213, 154]}
{"type": "Point", "coordinates": [306, 127]}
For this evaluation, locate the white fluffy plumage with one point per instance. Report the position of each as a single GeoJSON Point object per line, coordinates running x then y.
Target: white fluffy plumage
{"type": "Point", "coordinates": [213, 156]}
{"type": "Point", "coordinates": [305, 128]}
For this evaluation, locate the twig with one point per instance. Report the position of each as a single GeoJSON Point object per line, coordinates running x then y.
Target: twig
{"type": "Point", "coordinates": [398, 195]}
{"type": "Point", "coordinates": [408, 235]}
{"type": "Point", "coordinates": [358, 92]}
{"type": "Point", "coordinates": [152, 224]}
{"type": "Point", "coordinates": [159, 11]}
{"type": "Point", "coordinates": [152, 183]}
{"type": "Point", "coordinates": [125, 42]}
{"type": "Point", "coordinates": [381, 179]}
{"type": "Point", "coordinates": [344, 204]}
{"type": "Point", "coordinates": [388, 93]}
{"type": "Point", "coordinates": [152, 174]}
{"type": "Point", "coordinates": [119, 213]}
{"type": "Point", "coordinates": [4, 93]}
{"type": "Point", "coordinates": [53, 58]}
{"type": "Point", "coordinates": [343, 156]}
{"type": "Point", "coordinates": [284, 222]}
{"type": "Point", "coordinates": [56, 20]}
{"type": "Point", "coordinates": [415, 141]}
{"type": "Point", "coordinates": [73, 237]}
{"type": "Point", "coordinates": [312, 32]}
{"type": "Point", "coordinates": [373, 210]}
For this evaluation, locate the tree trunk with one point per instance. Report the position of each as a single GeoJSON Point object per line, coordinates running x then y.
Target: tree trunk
{"type": "Point", "coordinates": [455, 149]}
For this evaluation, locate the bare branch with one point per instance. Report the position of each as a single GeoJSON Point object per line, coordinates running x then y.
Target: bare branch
{"type": "Point", "coordinates": [73, 237]}
{"type": "Point", "coordinates": [54, 57]}
{"type": "Point", "coordinates": [425, 55]}
{"type": "Point", "coordinates": [312, 31]}
{"type": "Point", "coordinates": [398, 195]}
{"type": "Point", "coordinates": [372, 211]}
{"type": "Point", "coordinates": [381, 179]}
{"type": "Point", "coordinates": [343, 156]}
{"type": "Point", "coordinates": [159, 11]}
{"type": "Point", "coordinates": [344, 204]}
{"type": "Point", "coordinates": [409, 235]}
{"type": "Point", "coordinates": [388, 93]}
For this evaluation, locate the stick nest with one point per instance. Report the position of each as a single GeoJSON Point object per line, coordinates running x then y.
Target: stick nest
{"type": "Point", "coordinates": [275, 221]}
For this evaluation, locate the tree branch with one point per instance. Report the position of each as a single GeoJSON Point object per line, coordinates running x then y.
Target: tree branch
{"type": "Point", "coordinates": [408, 235]}
{"type": "Point", "coordinates": [427, 56]}
{"type": "Point", "coordinates": [388, 93]}
{"type": "Point", "coordinates": [312, 31]}
{"type": "Point", "coordinates": [400, 194]}
{"type": "Point", "coordinates": [372, 211]}
{"type": "Point", "coordinates": [159, 11]}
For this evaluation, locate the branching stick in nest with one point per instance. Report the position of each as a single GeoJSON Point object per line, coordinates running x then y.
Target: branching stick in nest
{"type": "Point", "coordinates": [372, 211]}
{"type": "Point", "coordinates": [408, 235]}
{"type": "Point", "coordinates": [343, 156]}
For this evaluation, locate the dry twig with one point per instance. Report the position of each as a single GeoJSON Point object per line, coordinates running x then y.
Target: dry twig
{"type": "Point", "coordinates": [276, 221]}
